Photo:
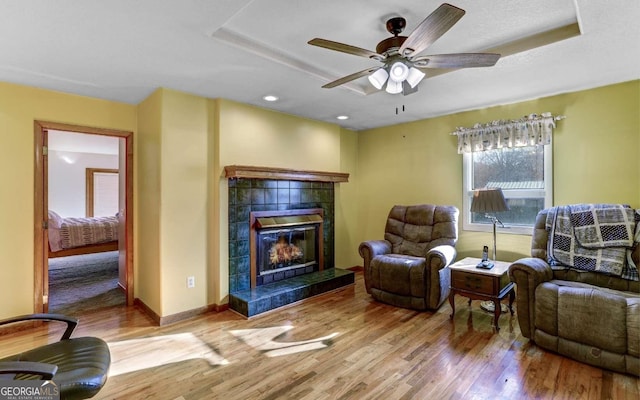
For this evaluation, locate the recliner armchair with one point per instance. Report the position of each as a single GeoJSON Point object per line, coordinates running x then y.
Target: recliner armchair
{"type": "Point", "coordinates": [409, 267]}
{"type": "Point", "coordinates": [589, 316]}
{"type": "Point", "coordinates": [77, 366]}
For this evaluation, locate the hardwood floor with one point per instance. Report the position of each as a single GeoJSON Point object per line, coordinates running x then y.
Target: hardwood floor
{"type": "Point", "coordinates": [340, 345]}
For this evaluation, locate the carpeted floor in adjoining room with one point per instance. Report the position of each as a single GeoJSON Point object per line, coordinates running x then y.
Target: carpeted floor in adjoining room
{"type": "Point", "coordinates": [86, 282]}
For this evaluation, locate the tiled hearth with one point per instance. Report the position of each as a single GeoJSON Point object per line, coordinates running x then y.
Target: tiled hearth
{"type": "Point", "coordinates": [251, 302]}
{"type": "Point", "coordinates": [248, 195]}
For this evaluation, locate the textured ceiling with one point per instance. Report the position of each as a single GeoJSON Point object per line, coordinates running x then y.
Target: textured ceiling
{"type": "Point", "coordinates": [123, 50]}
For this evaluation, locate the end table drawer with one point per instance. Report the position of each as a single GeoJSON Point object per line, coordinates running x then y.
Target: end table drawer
{"type": "Point", "coordinates": [473, 282]}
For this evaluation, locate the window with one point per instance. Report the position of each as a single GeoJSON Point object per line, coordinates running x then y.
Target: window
{"type": "Point", "coordinates": [102, 192]}
{"type": "Point", "coordinates": [525, 176]}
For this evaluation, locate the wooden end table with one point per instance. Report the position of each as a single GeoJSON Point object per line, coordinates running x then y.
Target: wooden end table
{"type": "Point", "coordinates": [481, 284]}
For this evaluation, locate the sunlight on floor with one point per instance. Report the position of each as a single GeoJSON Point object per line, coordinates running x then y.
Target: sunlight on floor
{"type": "Point", "coordinates": [263, 339]}
{"type": "Point", "coordinates": [138, 354]}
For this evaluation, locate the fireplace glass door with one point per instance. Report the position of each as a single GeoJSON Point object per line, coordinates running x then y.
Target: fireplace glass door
{"type": "Point", "coordinates": [286, 252]}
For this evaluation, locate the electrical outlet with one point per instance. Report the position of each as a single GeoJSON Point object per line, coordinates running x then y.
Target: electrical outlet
{"type": "Point", "coordinates": [191, 282]}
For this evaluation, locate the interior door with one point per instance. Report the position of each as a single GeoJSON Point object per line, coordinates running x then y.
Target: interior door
{"type": "Point", "coordinates": [45, 219]}
{"type": "Point", "coordinates": [41, 206]}
{"type": "Point", "coordinates": [122, 214]}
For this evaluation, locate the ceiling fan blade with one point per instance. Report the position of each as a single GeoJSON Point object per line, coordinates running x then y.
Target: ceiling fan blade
{"type": "Point", "coordinates": [345, 48]}
{"type": "Point", "coordinates": [429, 30]}
{"type": "Point", "coordinates": [460, 60]}
{"type": "Point", "coordinates": [350, 78]}
{"type": "Point", "coordinates": [521, 45]}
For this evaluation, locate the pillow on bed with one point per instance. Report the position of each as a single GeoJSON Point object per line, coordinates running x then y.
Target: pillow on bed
{"type": "Point", "coordinates": [55, 221]}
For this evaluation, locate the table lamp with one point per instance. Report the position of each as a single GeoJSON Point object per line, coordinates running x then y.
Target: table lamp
{"type": "Point", "coordinates": [490, 201]}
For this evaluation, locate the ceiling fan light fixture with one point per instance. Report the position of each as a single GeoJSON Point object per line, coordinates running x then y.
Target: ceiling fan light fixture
{"type": "Point", "coordinates": [414, 77]}
{"type": "Point", "coordinates": [403, 67]}
{"type": "Point", "coordinates": [394, 87]}
{"type": "Point", "coordinates": [398, 72]}
{"type": "Point", "coordinates": [378, 78]}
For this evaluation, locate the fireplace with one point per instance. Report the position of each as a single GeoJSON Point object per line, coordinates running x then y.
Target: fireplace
{"type": "Point", "coordinates": [285, 218]}
{"type": "Point", "coordinates": [285, 244]}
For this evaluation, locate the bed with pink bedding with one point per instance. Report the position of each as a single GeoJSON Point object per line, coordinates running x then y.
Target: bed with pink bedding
{"type": "Point", "coordinates": [73, 235]}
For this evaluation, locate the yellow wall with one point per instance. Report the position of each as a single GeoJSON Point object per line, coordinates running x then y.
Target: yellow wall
{"type": "Point", "coordinates": [147, 174]}
{"type": "Point", "coordinates": [255, 136]}
{"type": "Point", "coordinates": [183, 212]}
{"type": "Point", "coordinates": [182, 142]}
{"type": "Point", "coordinates": [346, 206]}
{"type": "Point", "coordinates": [216, 276]}
{"type": "Point", "coordinates": [595, 160]}
{"type": "Point", "coordinates": [173, 173]}
{"type": "Point", "coordinates": [19, 107]}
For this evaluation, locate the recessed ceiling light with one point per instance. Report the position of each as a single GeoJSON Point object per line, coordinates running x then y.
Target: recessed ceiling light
{"type": "Point", "coordinates": [270, 98]}
{"type": "Point", "coordinates": [342, 117]}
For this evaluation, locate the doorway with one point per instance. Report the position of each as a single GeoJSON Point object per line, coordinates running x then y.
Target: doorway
{"type": "Point", "coordinates": [124, 246]}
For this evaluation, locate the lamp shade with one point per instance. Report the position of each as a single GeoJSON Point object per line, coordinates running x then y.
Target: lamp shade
{"type": "Point", "coordinates": [394, 87]}
{"type": "Point", "coordinates": [378, 78]}
{"type": "Point", "coordinates": [398, 72]}
{"type": "Point", "coordinates": [488, 200]}
{"type": "Point", "coordinates": [415, 76]}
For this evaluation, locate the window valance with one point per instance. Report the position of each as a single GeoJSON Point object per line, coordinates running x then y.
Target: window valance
{"type": "Point", "coordinates": [530, 130]}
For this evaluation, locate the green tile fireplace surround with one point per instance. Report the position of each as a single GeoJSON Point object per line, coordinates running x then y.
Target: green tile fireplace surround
{"type": "Point", "coordinates": [253, 189]}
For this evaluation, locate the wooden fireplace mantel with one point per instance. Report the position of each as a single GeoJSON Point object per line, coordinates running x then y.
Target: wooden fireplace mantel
{"type": "Point", "coordinates": [251, 172]}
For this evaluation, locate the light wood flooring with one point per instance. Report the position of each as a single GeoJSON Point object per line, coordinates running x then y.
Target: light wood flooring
{"type": "Point", "coordinates": [341, 345]}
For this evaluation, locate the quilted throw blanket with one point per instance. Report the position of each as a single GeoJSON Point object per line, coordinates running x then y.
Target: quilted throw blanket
{"type": "Point", "coordinates": [593, 237]}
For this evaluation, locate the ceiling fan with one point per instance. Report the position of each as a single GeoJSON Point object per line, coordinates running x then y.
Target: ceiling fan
{"type": "Point", "coordinates": [403, 66]}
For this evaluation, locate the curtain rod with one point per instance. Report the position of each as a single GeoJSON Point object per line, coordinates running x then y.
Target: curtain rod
{"type": "Point", "coordinates": [525, 119]}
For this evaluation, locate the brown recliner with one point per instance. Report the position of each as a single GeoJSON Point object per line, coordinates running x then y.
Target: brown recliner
{"type": "Point", "coordinates": [408, 268]}
{"type": "Point", "coordinates": [588, 316]}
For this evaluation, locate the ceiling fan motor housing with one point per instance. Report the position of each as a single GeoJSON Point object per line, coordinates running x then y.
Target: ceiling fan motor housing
{"type": "Point", "coordinates": [391, 44]}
